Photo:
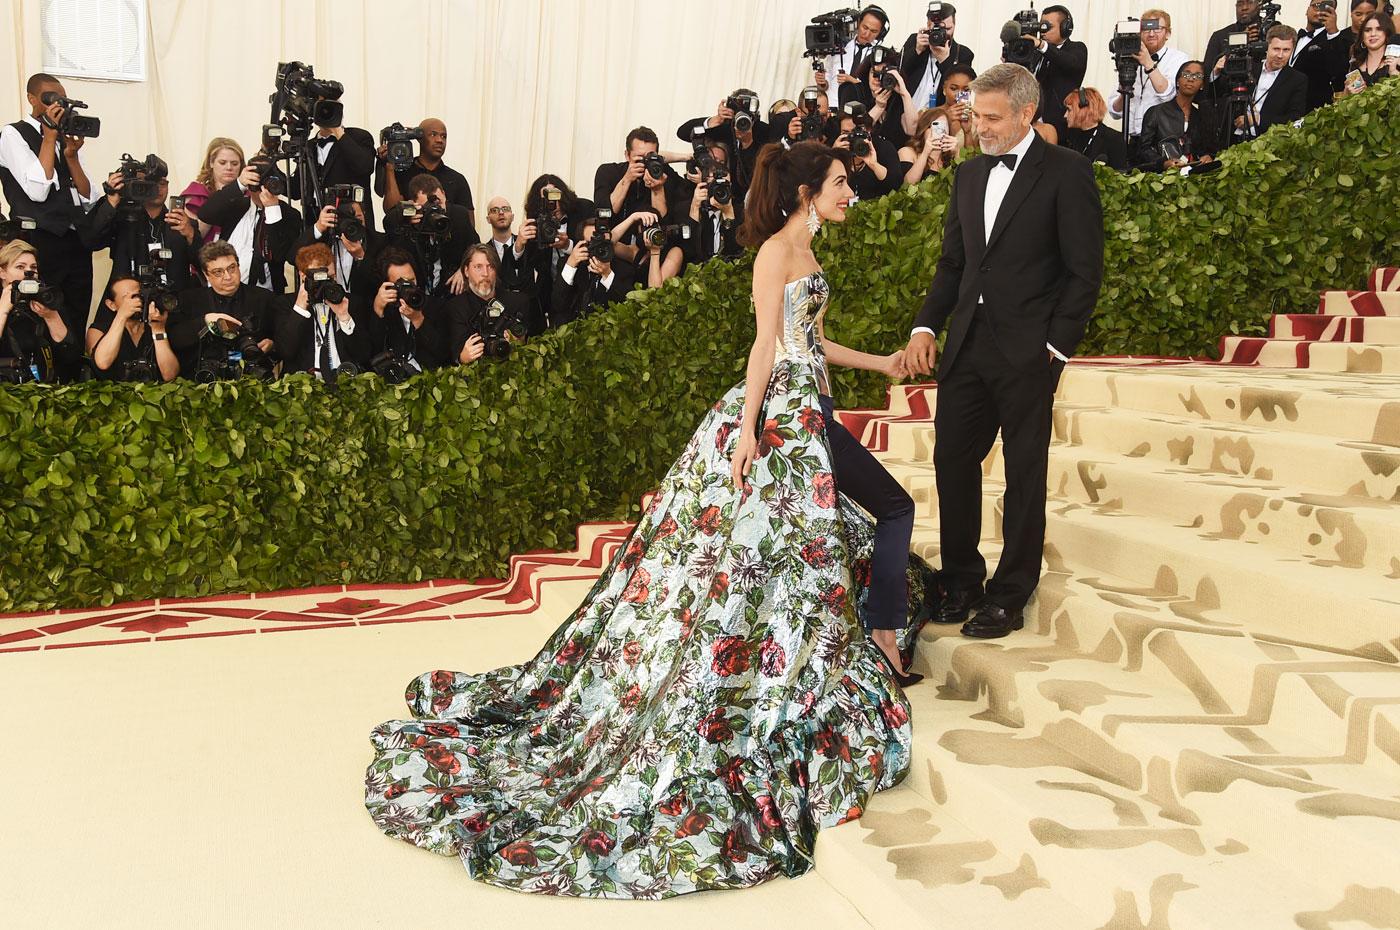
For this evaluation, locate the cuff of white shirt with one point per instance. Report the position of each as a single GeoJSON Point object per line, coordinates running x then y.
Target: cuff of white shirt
{"type": "Point", "coordinates": [1057, 353]}
{"type": "Point", "coordinates": [301, 311]}
{"type": "Point", "coordinates": [35, 175]}
{"type": "Point", "coordinates": [1333, 35]}
{"type": "Point", "coordinates": [923, 329]}
{"type": "Point", "coordinates": [346, 326]}
{"type": "Point", "coordinates": [608, 281]}
{"type": "Point", "coordinates": [568, 273]}
{"type": "Point", "coordinates": [272, 214]}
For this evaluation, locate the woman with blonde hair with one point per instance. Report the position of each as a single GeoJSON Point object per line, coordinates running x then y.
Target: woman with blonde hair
{"type": "Point", "coordinates": [930, 149]}
{"type": "Point", "coordinates": [223, 163]}
{"type": "Point", "coordinates": [35, 343]}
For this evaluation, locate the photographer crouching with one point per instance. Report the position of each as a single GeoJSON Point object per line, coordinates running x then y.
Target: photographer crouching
{"type": "Point", "coordinates": [127, 338]}
{"type": "Point", "coordinates": [431, 230]}
{"type": "Point", "coordinates": [227, 329]}
{"type": "Point", "coordinates": [407, 332]}
{"type": "Point", "coordinates": [36, 344]}
{"type": "Point", "coordinates": [593, 276]}
{"type": "Point", "coordinates": [484, 322]}
{"type": "Point", "coordinates": [133, 221]}
{"type": "Point", "coordinates": [320, 335]}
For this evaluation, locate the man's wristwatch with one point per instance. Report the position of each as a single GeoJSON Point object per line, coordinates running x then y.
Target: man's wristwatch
{"type": "Point", "coordinates": [160, 337]}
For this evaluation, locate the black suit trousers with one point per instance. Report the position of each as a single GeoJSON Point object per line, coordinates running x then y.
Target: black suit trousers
{"type": "Point", "coordinates": [981, 395]}
{"type": "Point", "coordinates": [65, 263]}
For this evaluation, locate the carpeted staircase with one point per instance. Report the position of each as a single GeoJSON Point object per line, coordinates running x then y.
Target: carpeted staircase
{"type": "Point", "coordinates": [1200, 726]}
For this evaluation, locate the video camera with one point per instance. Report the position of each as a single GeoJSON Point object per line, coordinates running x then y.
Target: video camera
{"type": "Point", "coordinates": [70, 123]}
{"type": "Point", "coordinates": [30, 290]}
{"type": "Point", "coordinates": [830, 33]}
{"type": "Point", "coordinates": [1018, 39]}
{"type": "Point", "coordinates": [501, 328]}
{"type": "Point", "coordinates": [343, 197]}
{"type": "Point", "coordinates": [300, 101]}
{"type": "Point", "coordinates": [600, 244]}
{"type": "Point", "coordinates": [400, 139]}
{"type": "Point", "coordinates": [1125, 46]}
{"type": "Point", "coordinates": [15, 228]}
{"type": "Point", "coordinates": [937, 30]}
{"type": "Point", "coordinates": [141, 180]}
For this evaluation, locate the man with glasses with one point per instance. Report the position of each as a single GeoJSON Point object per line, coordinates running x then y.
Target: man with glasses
{"type": "Point", "coordinates": [1312, 56]}
{"type": "Point", "coordinates": [225, 304]}
{"type": "Point", "coordinates": [1280, 93]}
{"type": "Point", "coordinates": [1155, 81]}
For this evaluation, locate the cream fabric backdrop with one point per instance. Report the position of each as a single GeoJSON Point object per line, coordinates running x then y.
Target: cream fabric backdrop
{"type": "Point", "coordinates": [525, 86]}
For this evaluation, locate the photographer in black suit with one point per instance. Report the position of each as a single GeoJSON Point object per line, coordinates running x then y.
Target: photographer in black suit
{"type": "Point", "coordinates": [1280, 94]}
{"type": "Point", "coordinates": [1019, 276]}
{"type": "Point", "coordinates": [432, 230]}
{"type": "Point", "coordinates": [321, 334]}
{"type": "Point", "coordinates": [211, 316]}
{"type": "Point", "coordinates": [354, 248]}
{"type": "Point", "coordinates": [484, 320]}
{"type": "Point", "coordinates": [644, 183]}
{"type": "Point", "coordinates": [929, 53]}
{"type": "Point", "coordinates": [737, 125]}
{"type": "Point", "coordinates": [261, 225]}
{"type": "Point", "coordinates": [407, 325]}
{"type": "Point", "coordinates": [35, 342]}
{"type": "Point", "coordinates": [1246, 21]}
{"type": "Point", "coordinates": [875, 166]}
{"type": "Point", "coordinates": [1062, 65]}
{"type": "Point", "coordinates": [587, 281]}
{"type": "Point", "coordinates": [343, 156]}
{"type": "Point", "coordinates": [130, 230]}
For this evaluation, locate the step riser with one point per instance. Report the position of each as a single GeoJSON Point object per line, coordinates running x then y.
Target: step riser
{"type": "Point", "coordinates": [1383, 279]}
{"type": "Point", "coordinates": [1308, 327]}
{"type": "Point", "coordinates": [1359, 303]}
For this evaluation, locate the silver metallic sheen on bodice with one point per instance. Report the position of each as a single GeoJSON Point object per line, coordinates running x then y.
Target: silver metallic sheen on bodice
{"type": "Point", "coordinates": [804, 305]}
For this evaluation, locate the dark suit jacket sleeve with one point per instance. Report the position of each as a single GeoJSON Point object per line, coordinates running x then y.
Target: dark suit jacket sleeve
{"type": "Point", "coordinates": [947, 280]}
{"type": "Point", "coordinates": [224, 208]}
{"type": "Point", "coordinates": [283, 235]}
{"type": "Point", "coordinates": [95, 229]}
{"type": "Point", "coordinates": [564, 299]}
{"type": "Point", "coordinates": [604, 180]}
{"type": "Point", "coordinates": [1292, 102]}
{"type": "Point", "coordinates": [1080, 218]}
{"type": "Point", "coordinates": [912, 64]}
{"type": "Point", "coordinates": [293, 338]}
{"type": "Point", "coordinates": [625, 275]}
{"type": "Point", "coordinates": [1066, 65]}
{"type": "Point", "coordinates": [356, 153]}
{"type": "Point", "coordinates": [461, 324]}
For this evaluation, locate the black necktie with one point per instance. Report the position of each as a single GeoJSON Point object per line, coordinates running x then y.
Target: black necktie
{"type": "Point", "coordinates": [1007, 160]}
{"type": "Point", "coordinates": [327, 372]}
{"type": "Point", "coordinates": [860, 54]}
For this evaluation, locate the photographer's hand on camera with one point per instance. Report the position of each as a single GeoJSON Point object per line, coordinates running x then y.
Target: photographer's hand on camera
{"type": "Point", "coordinates": [578, 256]}
{"type": "Point", "coordinates": [635, 169]}
{"type": "Point", "coordinates": [325, 222]}
{"type": "Point", "coordinates": [722, 115]}
{"type": "Point", "coordinates": [387, 294]}
{"type": "Point", "coordinates": [472, 349]}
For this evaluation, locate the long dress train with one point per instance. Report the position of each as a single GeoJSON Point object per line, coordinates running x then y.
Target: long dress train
{"type": "Point", "coordinates": [711, 704]}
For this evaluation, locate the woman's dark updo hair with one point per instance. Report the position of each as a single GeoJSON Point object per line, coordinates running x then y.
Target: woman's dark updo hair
{"type": "Point", "coordinates": [776, 179]}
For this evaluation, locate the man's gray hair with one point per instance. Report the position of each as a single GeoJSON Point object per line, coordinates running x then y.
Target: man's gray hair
{"type": "Point", "coordinates": [1019, 85]}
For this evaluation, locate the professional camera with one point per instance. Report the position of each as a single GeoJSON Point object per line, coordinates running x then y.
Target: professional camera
{"type": "Point", "coordinates": [500, 329]}
{"type": "Point", "coordinates": [745, 107]}
{"type": "Point", "coordinates": [655, 165]}
{"type": "Point", "coordinates": [599, 244]}
{"type": "Point", "coordinates": [141, 179]}
{"type": "Point", "coordinates": [16, 228]}
{"type": "Point", "coordinates": [885, 59]}
{"type": "Point", "coordinates": [433, 221]}
{"type": "Point", "coordinates": [155, 285]}
{"type": "Point", "coordinates": [270, 177]}
{"type": "Point", "coordinates": [30, 290]}
{"type": "Point", "coordinates": [235, 354]}
{"type": "Point", "coordinates": [809, 108]}
{"type": "Point", "coordinates": [937, 25]}
{"type": "Point", "coordinates": [830, 33]}
{"type": "Point", "coordinates": [1017, 46]}
{"type": "Point", "coordinates": [301, 99]}
{"type": "Point", "coordinates": [70, 123]}
{"type": "Point", "coordinates": [323, 288]}
{"type": "Point", "coordinates": [711, 171]}
{"type": "Point", "coordinates": [657, 237]}
{"type": "Point", "coordinates": [859, 137]}
{"type": "Point", "coordinates": [547, 225]}
{"type": "Point", "coordinates": [343, 197]}
{"type": "Point", "coordinates": [1240, 55]}
{"type": "Point", "coordinates": [393, 367]}
{"type": "Point", "coordinates": [400, 141]}
{"type": "Point", "coordinates": [408, 292]}
{"type": "Point", "coordinates": [1125, 46]}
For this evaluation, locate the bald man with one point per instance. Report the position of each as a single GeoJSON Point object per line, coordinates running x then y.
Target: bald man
{"type": "Point", "coordinates": [391, 185]}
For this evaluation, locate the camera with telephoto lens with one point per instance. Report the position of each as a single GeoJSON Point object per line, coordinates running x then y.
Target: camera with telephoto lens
{"type": "Point", "coordinates": [399, 140]}
{"type": "Point", "coordinates": [408, 293]}
{"type": "Point", "coordinates": [859, 137]}
{"type": "Point", "coordinates": [230, 353]}
{"type": "Point", "coordinates": [937, 31]}
{"type": "Point", "coordinates": [71, 123]}
{"type": "Point", "coordinates": [657, 237]}
{"type": "Point", "coordinates": [29, 290]}
{"type": "Point", "coordinates": [745, 106]}
{"type": "Point", "coordinates": [830, 33]}
{"type": "Point", "coordinates": [16, 228]}
{"type": "Point", "coordinates": [547, 225]}
{"type": "Point", "coordinates": [140, 180]}
{"type": "Point", "coordinates": [433, 221]}
{"type": "Point", "coordinates": [344, 197]}
{"type": "Point", "coordinates": [300, 100]}
{"type": "Point", "coordinates": [270, 176]}
{"type": "Point", "coordinates": [1125, 46]}
{"type": "Point", "coordinates": [600, 246]}
{"type": "Point", "coordinates": [323, 288]}
{"type": "Point", "coordinates": [155, 285]}
{"type": "Point", "coordinates": [500, 329]}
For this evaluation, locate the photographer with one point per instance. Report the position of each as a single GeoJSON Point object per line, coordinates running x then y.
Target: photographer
{"type": "Point", "coordinates": [1246, 21]}
{"type": "Point", "coordinates": [432, 146]}
{"type": "Point", "coordinates": [715, 218]}
{"type": "Point", "coordinates": [213, 318]}
{"type": "Point", "coordinates": [1062, 65]}
{"type": "Point", "coordinates": [1312, 56]}
{"type": "Point", "coordinates": [320, 335]}
{"type": "Point", "coordinates": [644, 182]}
{"type": "Point", "coordinates": [587, 282]}
{"type": "Point", "coordinates": [131, 227]}
{"type": "Point", "coordinates": [930, 53]}
{"type": "Point", "coordinates": [354, 245]}
{"type": "Point", "coordinates": [893, 115]}
{"type": "Point", "coordinates": [436, 233]}
{"type": "Point", "coordinates": [958, 87]}
{"type": "Point", "coordinates": [127, 343]}
{"type": "Point", "coordinates": [262, 227]}
{"type": "Point", "coordinates": [812, 120]}
{"type": "Point", "coordinates": [407, 332]}
{"type": "Point", "coordinates": [875, 163]}
{"type": "Point", "coordinates": [1157, 65]}
{"type": "Point", "coordinates": [930, 148]}
{"type": "Point", "coordinates": [737, 125]}
{"type": "Point", "coordinates": [1280, 93]}
{"type": "Point", "coordinates": [1085, 109]}
{"type": "Point", "coordinates": [482, 320]}
{"type": "Point", "coordinates": [35, 343]}
{"type": "Point", "coordinates": [1182, 132]}
{"type": "Point", "coordinates": [42, 177]}
{"type": "Point", "coordinates": [343, 157]}
{"type": "Point", "coordinates": [542, 246]}
{"type": "Point", "coordinates": [872, 25]}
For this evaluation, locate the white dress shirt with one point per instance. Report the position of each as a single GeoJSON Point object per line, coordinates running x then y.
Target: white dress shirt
{"type": "Point", "coordinates": [500, 245]}
{"type": "Point", "coordinates": [1145, 96]}
{"type": "Point", "coordinates": [998, 183]}
{"type": "Point", "coordinates": [569, 272]}
{"type": "Point", "coordinates": [20, 160]}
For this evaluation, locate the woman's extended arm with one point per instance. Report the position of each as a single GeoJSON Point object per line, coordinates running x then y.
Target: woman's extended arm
{"type": "Point", "coordinates": [768, 285]}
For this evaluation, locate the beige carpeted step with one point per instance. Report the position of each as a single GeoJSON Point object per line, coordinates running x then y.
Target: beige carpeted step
{"type": "Point", "coordinates": [1360, 303]}
{"type": "Point", "coordinates": [1379, 330]}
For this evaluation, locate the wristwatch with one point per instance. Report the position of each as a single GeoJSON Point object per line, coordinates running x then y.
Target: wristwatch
{"type": "Point", "coordinates": [160, 337]}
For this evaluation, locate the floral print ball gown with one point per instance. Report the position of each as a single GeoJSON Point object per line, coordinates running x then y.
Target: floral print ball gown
{"type": "Point", "coordinates": [710, 706]}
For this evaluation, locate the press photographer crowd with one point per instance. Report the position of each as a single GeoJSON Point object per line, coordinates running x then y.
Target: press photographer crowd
{"type": "Point", "coordinates": [389, 273]}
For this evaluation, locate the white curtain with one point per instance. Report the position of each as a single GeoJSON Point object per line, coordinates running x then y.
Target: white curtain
{"type": "Point", "coordinates": [525, 86]}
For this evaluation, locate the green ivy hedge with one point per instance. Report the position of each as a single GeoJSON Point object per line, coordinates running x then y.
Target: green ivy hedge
{"type": "Point", "coordinates": [116, 492]}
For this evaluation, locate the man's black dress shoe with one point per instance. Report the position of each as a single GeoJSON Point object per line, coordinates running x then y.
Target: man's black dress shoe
{"type": "Point", "coordinates": [992, 621]}
{"type": "Point", "coordinates": [957, 605]}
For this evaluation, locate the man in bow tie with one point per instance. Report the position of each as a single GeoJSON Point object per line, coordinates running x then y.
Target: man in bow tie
{"type": "Point", "coordinates": [343, 156]}
{"type": "Point", "coordinates": [1020, 273]}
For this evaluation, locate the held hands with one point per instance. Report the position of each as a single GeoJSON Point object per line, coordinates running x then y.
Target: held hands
{"type": "Point", "coordinates": [894, 367]}
{"type": "Point", "coordinates": [921, 354]}
{"type": "Point", "coordinates": [741, 462]}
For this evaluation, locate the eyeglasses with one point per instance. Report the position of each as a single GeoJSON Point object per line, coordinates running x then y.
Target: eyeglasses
{"type": "Point", "coordinates": [224, 272]}
{"type": "Point", "coordinates": [498, 209]}
{"type": "Point", "coordinates": [1154, 30]}
{"type": "Point", "coordinates": [1193, 75]}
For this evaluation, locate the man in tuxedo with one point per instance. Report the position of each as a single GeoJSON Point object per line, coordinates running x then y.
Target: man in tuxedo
{"type": "Point", "coordinates": [262, 227]}
{"type": "Point", "coordinates": [628, 187]}
{"type": "Point", "coordinates": [43, 178]}
{"type": "Point", "coordinates": [408, 326]}
{"type": "Point", "coordinates": [1020, 273]}
{"type": "Point", "coordinates": [393, 185]}
{"type": "Point", "coordinates": [225, 300]}
{"type": "Point", "coordinates": [1062, 66]}
{"type": "Point", "coordinates": [587, 283]}
{"type": "Point", "coordinates": [925, 65]}
{"type": "Point", "coordinates": [319, 335]}
{"type": "Point", "coordinates": [1313, 57]}
{"type": "Point", "coordinates": [343, 156]}
{"type": "Point", "coordinates": [509, 249]}
{"type": "Point", "coordinates": [1280, 92]}
{"type": "Point", "coordinates": [872, 25]}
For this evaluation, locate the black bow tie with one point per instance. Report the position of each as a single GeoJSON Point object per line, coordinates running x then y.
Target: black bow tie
{"type": "Point", "coordinates": [1007, 160]}
{"type": "Point", "coordinates": [323, 141]}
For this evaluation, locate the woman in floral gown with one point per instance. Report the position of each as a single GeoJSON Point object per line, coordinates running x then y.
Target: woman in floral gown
{"type": "Point", "coordinates": [714, 701]}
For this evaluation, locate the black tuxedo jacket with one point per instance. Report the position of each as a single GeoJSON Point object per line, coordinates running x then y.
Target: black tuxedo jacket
{"type": "Point", "coordinates": [586, 294]}
{"type": "Point", "coordinates": [913, 65]}
{"type": "Point", "coordinates": [1317, 62]}
{"type": "Point", "coordinates": [296, 341]}
{"type": "Point", "coordinates": [1039, 273]}
{"type": "Point", "coordinates": [449, 250]}
{"type": "Point", "coordinates": [226, 206]}
{"type": "Point", "coordinates": [350, 161]}
{"type": "Point", "coordinates": [1287, 100]}
{"type": "Point", "coordinates": [428, 343]}
{"type": "Point", "coordinates": [1061, 72]}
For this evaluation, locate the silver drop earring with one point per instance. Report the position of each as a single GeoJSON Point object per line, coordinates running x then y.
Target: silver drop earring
{"type": "Point", "coordinates": [814, 222]}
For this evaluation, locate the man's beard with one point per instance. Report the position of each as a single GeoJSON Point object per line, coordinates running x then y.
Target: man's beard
{"type": "Point", "coordinates": [484, 291]}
